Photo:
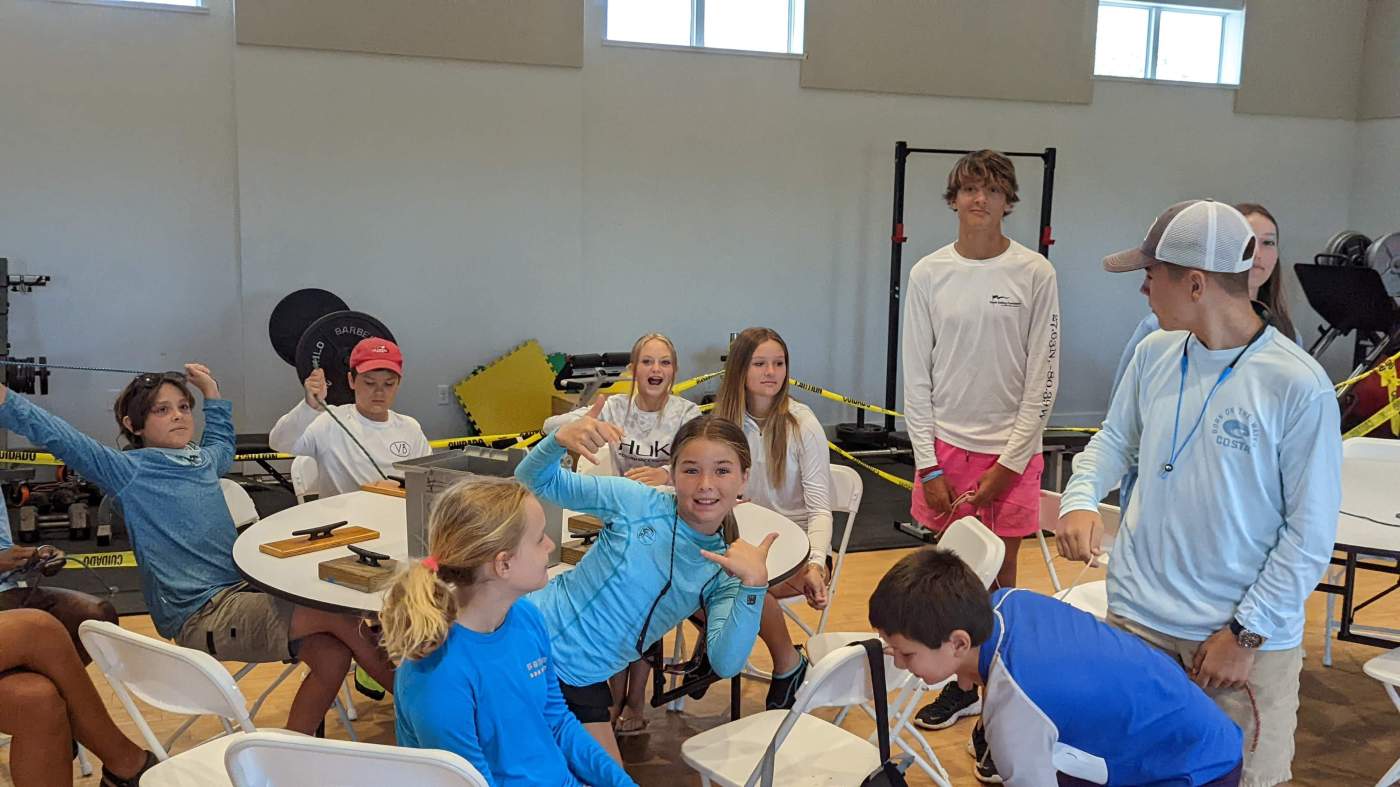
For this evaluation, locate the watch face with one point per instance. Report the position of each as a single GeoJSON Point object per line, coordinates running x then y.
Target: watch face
{"type": "Point", "coordinates": [1248, 639]}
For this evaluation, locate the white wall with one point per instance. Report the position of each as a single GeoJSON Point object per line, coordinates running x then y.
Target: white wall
{"type": "Point", "coordinates": [1375, 196]}
{"type": "Point", "coordinates": [472, 206]}
{"type": "Point", "coordinates": [118, 178]}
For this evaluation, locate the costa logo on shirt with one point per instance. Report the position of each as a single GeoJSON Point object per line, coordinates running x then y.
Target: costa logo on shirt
{"type": "Point", "coordinates": [647, 535]}
{"type": "Point", "coordinates": [1005, 300]}
{"type": "Point", "coordinates": [1236, 428]}
{"type": "Point", "coordinates": [399, 448]}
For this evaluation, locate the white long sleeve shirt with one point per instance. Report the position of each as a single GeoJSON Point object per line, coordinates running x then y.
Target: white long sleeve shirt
{"type": "Point", "coordinates": [980, 347]}
{"type": "Point", "coordinates": [804, 496]}
{"type": "Point", "coordinates": [341, 465]}
{"type": "Point", "coordinates": [646, 436]}
{"type": "Point", "coordinates": [1243, 525]}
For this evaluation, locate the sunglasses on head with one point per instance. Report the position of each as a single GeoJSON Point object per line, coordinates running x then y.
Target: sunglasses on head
{"type": "Point", "coordinates": [155, 379]}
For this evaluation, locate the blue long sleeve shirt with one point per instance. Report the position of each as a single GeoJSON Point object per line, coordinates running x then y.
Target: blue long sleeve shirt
{"type": "Point", "coordinates": [1243, 525]}
{"type": "Point", "coordinates": [181, 529]}
{"type": "Point", "coordinates": [596, 611]}
{"type": "Point", "coordinates": [494, 699]}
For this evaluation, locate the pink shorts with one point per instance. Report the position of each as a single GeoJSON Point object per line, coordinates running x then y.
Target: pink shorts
{"type": "Point", "coordinates": [1016, 514]}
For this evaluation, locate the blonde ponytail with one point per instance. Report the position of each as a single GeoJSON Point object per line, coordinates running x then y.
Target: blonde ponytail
{"type": "Point", "coordinates": [418, 611]}
{"type": "Point", "coordinates": [471, 523]}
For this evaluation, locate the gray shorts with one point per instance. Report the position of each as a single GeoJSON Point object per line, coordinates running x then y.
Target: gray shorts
{"type": "Point", "coordinates": [241, 623]}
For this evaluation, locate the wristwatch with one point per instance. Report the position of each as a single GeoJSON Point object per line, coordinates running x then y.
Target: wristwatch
{"type": "Point", "coordinates": [1246, 639]}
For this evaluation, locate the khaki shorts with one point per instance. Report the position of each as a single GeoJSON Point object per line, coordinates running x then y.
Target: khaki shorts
{"type": "Point", "coordinates": [1274, 683]}
{"type": "Point", "coordinates": [241, 623]}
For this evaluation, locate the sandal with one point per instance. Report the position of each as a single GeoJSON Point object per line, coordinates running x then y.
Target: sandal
{"type": "Point", "coordinates": [630, 725]}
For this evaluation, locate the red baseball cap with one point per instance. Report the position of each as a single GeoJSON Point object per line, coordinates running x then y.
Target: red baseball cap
{"type": "Point", "coordinates": [374, 353]}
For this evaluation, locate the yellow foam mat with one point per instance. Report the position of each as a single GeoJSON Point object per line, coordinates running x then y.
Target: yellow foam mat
{"type": "Point", "coordinates": [510, 394]}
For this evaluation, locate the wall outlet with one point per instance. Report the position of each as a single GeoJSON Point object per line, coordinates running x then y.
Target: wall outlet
{"type": "Point", "coordinates": [444, 397]}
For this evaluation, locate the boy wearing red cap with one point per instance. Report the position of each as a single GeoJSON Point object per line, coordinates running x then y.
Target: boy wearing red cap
{"type": "Point", "coordinates": [376, 369]}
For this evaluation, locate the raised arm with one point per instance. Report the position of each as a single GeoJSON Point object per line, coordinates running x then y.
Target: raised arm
{"type": "Point", "coordinates": [103, 465]}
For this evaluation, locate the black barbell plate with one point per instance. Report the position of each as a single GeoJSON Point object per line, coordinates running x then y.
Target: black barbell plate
{"type": "Point", "coordinates": [294, 314]}
{"type": "Point", "coordinates": [327, 343]}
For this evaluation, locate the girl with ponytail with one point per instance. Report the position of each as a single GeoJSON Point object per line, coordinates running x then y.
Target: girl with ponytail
{"type": "Point", "coordinates": [475, 674]}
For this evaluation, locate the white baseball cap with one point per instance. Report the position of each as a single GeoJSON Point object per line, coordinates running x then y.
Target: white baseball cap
{"type": "Point", "coordinates": [1198, 233]}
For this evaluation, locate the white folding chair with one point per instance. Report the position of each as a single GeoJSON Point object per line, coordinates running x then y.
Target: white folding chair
{"type": "Point", "coordinates": [305, 477]}
{"type": "Point", "coordinates": [806, 749]}
{"type": "Point", "coordinates": [1092, 597]}
{"type": "Point", "coordinates": [846, 490]}
{"type": "Point", "coordinates": [271, 760]}
{"type": "Point", "coordinates": [1386, 669]}
{"type": "Point", "coordinates": [240, 505]}
{"type": "Point", "coordinates": [907, 690]}
{"type": "Point", "coordinates": [172, 679]}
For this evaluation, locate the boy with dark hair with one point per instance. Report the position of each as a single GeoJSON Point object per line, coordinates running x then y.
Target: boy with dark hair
{"type": "Point", "coordinates": [1064, 693]}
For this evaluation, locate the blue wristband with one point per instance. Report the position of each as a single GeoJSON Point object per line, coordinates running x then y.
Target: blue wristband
{"type": "Point", "coordinates": [929, 475]}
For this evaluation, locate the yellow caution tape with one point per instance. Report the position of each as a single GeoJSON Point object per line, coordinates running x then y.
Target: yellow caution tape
{"type": "Point", "coordinates": [453, 443]}
{"type": "Point", "coordinates": [686, 385]}
{"type": "Point", "coordinates": [1373, 370]}
{"type": "Point", "coordinates": [28, 458]}
{"type": "Point", "coordinates": [1390, 380]}
{"type": "Point", "coordinates": [103, 560]}
{"type": "Point", "coordinates": [836, 397]}
{"type": "Point", "coordinates": [893, 479]}
{"type": "Point", "coordinates": [1382, 415]}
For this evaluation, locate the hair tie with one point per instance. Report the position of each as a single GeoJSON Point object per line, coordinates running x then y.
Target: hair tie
{"type": "Point", "coordinates": [430, 563]}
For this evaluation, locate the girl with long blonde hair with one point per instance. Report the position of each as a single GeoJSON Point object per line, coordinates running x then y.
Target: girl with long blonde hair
{"type": "Point", "coordinates": [476, 676]}
{"type": "Point", "coordinates": [649, 416]}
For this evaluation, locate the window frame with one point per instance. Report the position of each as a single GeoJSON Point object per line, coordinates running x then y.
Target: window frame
{"type": "Point", "coordinates": [697, 34]}
{"type": "Point", "coordinates": [1227, 17]}
{"type": "Point", "coordinates": [144, 5]}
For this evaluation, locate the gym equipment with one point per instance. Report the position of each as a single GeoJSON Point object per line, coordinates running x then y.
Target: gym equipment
{"type": "Point", "coordinates": [510, 394]}
{"type": "Point", "coordinates": [314, 329]}
{"type": "Point", "coordinates": [586, 373]}
{"type": "Point", "coordinates": [1347, 247]}
{"type": "Point", "coordinates": [1383, 257]}
{"type": "Point", "coordinates": [294, 314]}
{"type": "Point", "coordinates": [869, 435]}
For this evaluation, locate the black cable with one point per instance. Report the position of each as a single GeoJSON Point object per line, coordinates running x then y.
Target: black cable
{"type": "Point", "coordinates": [351, 435]}
{"type": "Point", "coordinates": [1369, 519]}
{"type": "Point", "coordinates": [12, 362]}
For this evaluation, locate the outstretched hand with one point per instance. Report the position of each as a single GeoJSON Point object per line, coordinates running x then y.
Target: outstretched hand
{"type": "Point", "coordinates": [588, 435]}
{"type": "Point", "coordinates": [745, 561]}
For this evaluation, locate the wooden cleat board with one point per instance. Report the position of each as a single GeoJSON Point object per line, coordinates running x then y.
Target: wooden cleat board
{"type": "Point", "coordinates": [301, 545]}
{"type": "Point", "coordinates": [349, 572]}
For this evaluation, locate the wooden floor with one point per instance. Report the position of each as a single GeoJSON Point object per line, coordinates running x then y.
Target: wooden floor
{"type": "Point", "coordinates": [1349, 733]}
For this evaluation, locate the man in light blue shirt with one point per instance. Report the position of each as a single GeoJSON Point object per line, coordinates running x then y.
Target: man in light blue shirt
{"type": "Point", "coordinates": [1235, 432]}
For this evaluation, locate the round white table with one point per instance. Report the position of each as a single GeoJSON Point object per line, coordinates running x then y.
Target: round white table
{"type": "Point", "coordinates": [295, 578]}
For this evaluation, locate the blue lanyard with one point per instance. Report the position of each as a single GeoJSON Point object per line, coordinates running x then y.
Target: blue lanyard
{"type": "Point", "coordinates": [1225, 373]}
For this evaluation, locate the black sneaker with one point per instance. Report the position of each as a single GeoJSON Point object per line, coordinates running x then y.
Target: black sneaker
{"type": "Point", "coordinates": [952, 704]}
{"type": "Point", "coordinates": [986, 770]}
{"type": "Point", "coordinates": [782, 692]}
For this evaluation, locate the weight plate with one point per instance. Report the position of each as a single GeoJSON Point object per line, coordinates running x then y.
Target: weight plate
{"type": "Point", "coordinates": [1349, 244]}
{"type": "Point", "coordinates": [294, 314]}
{"type": "Point", "coordinates": [1384, 256]}
{"type": "Point", "coordinates": [327, 343]}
